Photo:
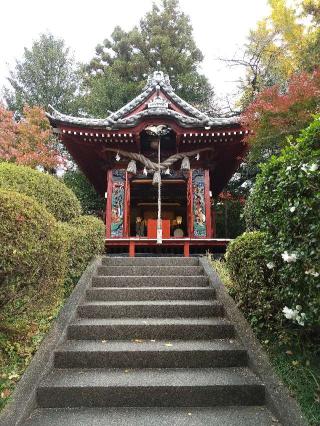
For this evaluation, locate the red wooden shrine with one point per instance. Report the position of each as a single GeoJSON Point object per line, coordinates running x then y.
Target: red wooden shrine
{"type": "Point", "coordinates": [120, 154]}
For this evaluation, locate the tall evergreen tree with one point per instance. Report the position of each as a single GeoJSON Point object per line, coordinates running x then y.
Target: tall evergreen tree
{"type": "Point", "coordinates": [121, 65]}
{"type": "Point", "coordinates": [45, 75]}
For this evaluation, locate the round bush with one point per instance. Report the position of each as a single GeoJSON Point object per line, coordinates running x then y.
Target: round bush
{"type": "Point", "coordinates": [32, 259]}
{"type": "Point", "coordinates": [253, 282]}
{"type": "Point", "coordinates": [285, 204]}
{"type": "Point", "coordinates": [46, 189]}
{"type": "Point", "coordinates": [85, 236]}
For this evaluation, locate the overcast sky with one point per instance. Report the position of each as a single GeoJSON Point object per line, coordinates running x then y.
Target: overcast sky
{"type": "Point", "coordinates": [220, 28]}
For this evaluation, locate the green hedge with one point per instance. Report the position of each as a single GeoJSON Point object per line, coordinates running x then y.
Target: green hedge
{"type": "Point", "coordinates": [285, 204]}
{"type": "Point", "coordinates": [32, 260]}
{"type": "Point", "coordinates": [86, 235]}
{"type": "Point", "coordinates": [254, 286]}
{"type": "Point", "coordinates": [46, 189]}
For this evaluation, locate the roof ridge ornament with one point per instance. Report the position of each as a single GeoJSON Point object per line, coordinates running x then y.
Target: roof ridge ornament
{"type": "Point", "coordinates": [158, 78]}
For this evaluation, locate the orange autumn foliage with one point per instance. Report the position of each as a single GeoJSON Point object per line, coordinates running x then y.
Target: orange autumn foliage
{"type": "Point", "coordinates": [29, 142]}
{"type": "Point", "coordinates": [276, 114]}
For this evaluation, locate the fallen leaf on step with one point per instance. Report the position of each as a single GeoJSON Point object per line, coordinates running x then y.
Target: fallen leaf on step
{"type": "Point", "coordinates": [152, 340]}
{"type": "Point", "coordinates": [5, 393]}
{"type": "Point", "coordinates": [13, 376]}
{"type": "Point", "coordinates": [103, 341]}
{"type": "Point", "coordinates": [138, 341]}
{"type": "Point", "coordinates": [126, 371]}
{"type": "Point", "coordinates": [274, 420]}
{"type": "Point", "coordinates": [189, 414]}
{"type": "Point", "coordinates": [168, 344]}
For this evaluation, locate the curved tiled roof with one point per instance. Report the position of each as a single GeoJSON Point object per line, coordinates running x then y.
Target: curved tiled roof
{"type": "Point", "coordinates": [157, 82]}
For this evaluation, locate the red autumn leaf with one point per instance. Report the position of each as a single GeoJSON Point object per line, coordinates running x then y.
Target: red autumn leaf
{"type": "Point", "coordinates": [30, 142]}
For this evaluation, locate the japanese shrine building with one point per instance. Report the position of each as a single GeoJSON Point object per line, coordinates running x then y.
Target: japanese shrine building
{"type": "Point", "coordinates": [122, 155]}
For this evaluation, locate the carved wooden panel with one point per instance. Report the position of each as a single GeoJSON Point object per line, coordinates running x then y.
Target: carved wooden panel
{"type": "Point", "coordinates": [199, 205]}
{"type": "Point", "coordinates": [117, 202]}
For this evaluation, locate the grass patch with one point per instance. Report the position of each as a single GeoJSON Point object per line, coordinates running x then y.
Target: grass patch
{"type": "Point", "coordinates": [296, 361]}
{"type": "Point", "coordinates": [299, 369]}
{"type": "Point", "coordinates": [16, 352]}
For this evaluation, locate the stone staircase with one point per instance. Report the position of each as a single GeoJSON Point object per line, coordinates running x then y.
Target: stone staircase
{"type": "Point", "coordinates": [150, 346]}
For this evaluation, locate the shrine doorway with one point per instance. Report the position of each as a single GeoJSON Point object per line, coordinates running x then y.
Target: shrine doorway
{"type": "Point", "coordinates": [144, 208]}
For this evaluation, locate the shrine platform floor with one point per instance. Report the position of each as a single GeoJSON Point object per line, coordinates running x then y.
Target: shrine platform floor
{"type": "Point", "coordinates": [186, 245]}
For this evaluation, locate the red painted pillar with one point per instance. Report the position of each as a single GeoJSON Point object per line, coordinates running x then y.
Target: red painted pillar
{"type": "Point", "coordinates": [207, 202]}
{"type": "Point", "coordinates": [132, 249]}
{"type": "Point", "coordinates": [186, 249]}
{"type": "Point", "coordinates": [213, 221]}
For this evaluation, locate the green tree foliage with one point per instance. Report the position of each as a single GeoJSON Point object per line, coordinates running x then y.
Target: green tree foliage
{"type": "Point", "coordinates": [46, 189]}
{"type": "Point", "coordinates": [91, 202]}
{"type": "Point", "coordinates": [229, 220]}
{"type": "Point", "coordinates": [45, 75]}
{"type": "Point", "coordinates": [310, 54]}
{"type": "Point", "coordinates": [285, 204]}
{"type": "Point", "coordinates": [119, 70]}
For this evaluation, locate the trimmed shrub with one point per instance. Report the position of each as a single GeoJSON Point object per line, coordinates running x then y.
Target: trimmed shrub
{"type": "Point", "coordinates": [85, 236]}
{"type": "Point", "coordinates": [32, 260]}
{"type": "Point", "coordinates": [253, 282]}
{"type": "Point", "coordinates": [91, 202]}
{"type": "Point", "coordinates": [46, 189]}
{"type": "Point", "coordinates": [285, 204]}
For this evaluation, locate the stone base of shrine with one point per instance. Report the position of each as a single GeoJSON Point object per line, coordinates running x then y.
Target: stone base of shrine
{"type": "Point", "coordinates": [184, 246]}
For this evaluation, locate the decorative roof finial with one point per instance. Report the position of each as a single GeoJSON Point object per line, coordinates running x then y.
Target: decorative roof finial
{"type": "Point", "coordinates": [158, 78]}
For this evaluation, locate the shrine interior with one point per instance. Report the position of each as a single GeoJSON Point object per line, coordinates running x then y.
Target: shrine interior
{"type": "Point", "coordinates": [144, 207]}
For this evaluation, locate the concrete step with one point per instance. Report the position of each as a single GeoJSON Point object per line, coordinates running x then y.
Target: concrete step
{"type": "Point", "coordinates": [150, 328]}
{"type": "Point", "coordinates": [151, 309]}
{"type": "Point", "coordinates": [150, 261]}
{"type": "Point", "coordinates": [150, 270]}
{"type": "Point", "coordinates": [150, 293]}
{"type": "Point", "coordinates": [154, 416]}
{"type": "Point", "coordinates": [152, 281]}
{"type": "Point", "coordinates": [150, 387]}
{"type": "Point", "coordinates": [150, 354]}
